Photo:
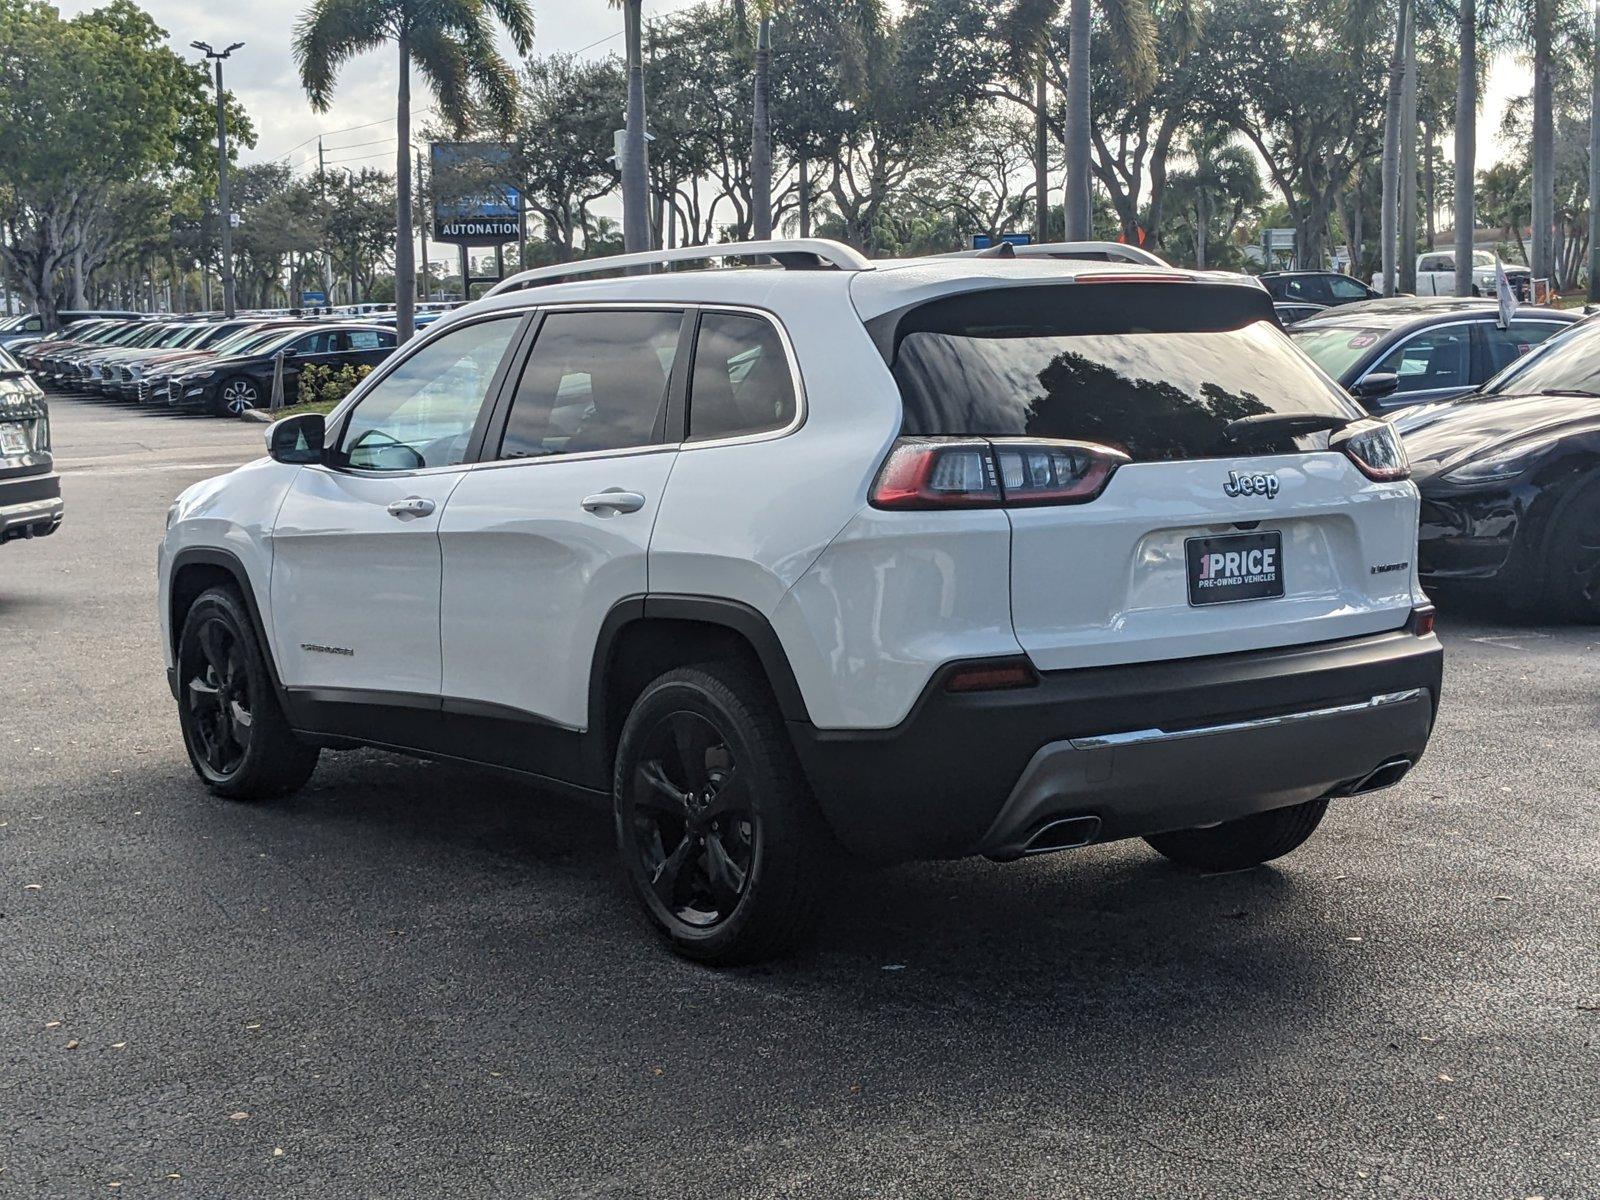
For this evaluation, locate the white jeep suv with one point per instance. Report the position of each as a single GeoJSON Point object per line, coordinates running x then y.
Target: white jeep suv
{"type": "Point", "coordinates": [913, 559]}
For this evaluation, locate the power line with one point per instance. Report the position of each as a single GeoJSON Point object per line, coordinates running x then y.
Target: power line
{"type": "Point", "coordinates": [416, 112]}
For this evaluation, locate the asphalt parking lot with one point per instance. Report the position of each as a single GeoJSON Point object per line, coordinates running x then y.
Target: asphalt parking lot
{"type": "Point", "coordinates": [418, 981]}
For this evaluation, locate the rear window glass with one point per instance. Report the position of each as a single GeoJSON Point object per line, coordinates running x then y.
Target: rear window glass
{"type": "Point", "coordinates": [1158, 378]}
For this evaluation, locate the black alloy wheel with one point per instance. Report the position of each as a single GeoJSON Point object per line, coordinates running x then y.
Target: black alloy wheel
{"type": "Point", "coordinates": [238, 739]}
{"type": "Point", "coordinates": [216, 689]}
{"type": "Point", "coordinates": [693, 833]}
{"type": "Point", "coordinates": [720, 837]}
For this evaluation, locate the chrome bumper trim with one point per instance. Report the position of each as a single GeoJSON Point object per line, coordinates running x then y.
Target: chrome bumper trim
{"type": "Point", "coordinates": [1139, 736]}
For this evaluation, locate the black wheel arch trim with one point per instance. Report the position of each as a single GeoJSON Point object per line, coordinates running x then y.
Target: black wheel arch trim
{"type": "Point", "coordinates": [734, 615]}
{"type": "Point", "coordinates": [210, 556]}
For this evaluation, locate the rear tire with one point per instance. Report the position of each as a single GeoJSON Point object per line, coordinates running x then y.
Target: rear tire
{"type": "Point", "coordinates": [721, 840]}
{"type": "Point", "coordinates": [1246, 842]}
{"type": "Point", "coordinates": [238, 739]}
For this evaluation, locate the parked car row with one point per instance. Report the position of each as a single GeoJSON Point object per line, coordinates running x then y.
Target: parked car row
{"type": "Point", "coordinates": [215, 365]}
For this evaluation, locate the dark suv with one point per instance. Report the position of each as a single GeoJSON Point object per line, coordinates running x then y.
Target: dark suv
{"type": "Point", "coordinates": [30, 490]}
{"type": "Point", "coordinates": [1327, 288]}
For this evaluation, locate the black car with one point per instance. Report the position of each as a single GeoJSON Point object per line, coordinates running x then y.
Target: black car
{"type": "Point", "coordinates": [30, 490]}
{"type": "Point", "coordinates": [228, 386]}
{"type": "Point", "coordinates": [1327, 288]}
{"type": "Point", "coordinates": [1406, 350]}
{"type": "Point", "coordinates": [1290, 314]}
{"type": "Point", "coordinates": [1510, 481]}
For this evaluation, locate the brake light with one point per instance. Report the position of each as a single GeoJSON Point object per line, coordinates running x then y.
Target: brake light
{"type": "Point", "coordinates": [935, 473]}
{"type": "Point", "coordinates": [1130, 277]}
{"type": "Point", "coordinates": [1422, 620]}
{"type": "Point", "coordinates": [1375, 448]}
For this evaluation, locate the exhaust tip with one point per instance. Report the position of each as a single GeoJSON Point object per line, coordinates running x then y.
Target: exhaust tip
{"type": "Point", "coordinates": [1385, 774]}
{"type": "Point", "coordinates": [1068, 833]}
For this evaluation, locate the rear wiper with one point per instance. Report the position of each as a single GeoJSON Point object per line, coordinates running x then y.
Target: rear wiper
{"type": "Point", "coordinates": [1272, 426]}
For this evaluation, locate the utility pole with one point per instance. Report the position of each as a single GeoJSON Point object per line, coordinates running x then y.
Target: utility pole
{"type": "Point", "coordinates": [422, 224]}
{"type": "Point", "coordinates": [222, 173]}
{"type": "Point", "coordinates": [322, 201]}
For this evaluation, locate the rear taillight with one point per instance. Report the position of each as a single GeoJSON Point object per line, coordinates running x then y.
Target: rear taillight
{"type": "Point", "coordinates": [933, 473]}
{"type": "Point", "coordinates": [1374, 447]}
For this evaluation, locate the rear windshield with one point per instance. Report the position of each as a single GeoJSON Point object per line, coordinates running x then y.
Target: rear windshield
{"type": "Point", "coordinates": [1156, 371]}
{"type": "Point", "coordinates": [1337, 348]}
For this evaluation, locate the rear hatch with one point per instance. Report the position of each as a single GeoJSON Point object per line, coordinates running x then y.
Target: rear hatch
{"type": "Point", "coordinates": [1179, 479]}
{"type": "Point", "coordinates": [24, 423]}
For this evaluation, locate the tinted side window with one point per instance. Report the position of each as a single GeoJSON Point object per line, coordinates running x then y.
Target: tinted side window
{"type": "Point", "coordinates": [1516, 339]}
{"type": "Point", "coordinates": [1440, 358]}
{"type": "Point", "coordinates": [595, 381]}
{"type": "Point", "coordinates": [741, 380]}
{"type": "Point", "coordinates": [1346, 289]}
{"type": "Point", "coordinates": [421, 414]}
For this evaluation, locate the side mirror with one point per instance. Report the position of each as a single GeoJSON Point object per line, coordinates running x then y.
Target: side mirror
{"type": "Point", "coordinates": [297, 439]}
{"type": "Point", "coordinates": [1371, 387]}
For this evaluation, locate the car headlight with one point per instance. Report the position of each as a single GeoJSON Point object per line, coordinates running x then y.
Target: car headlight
{"type": "Point", "coordinates": [1507, 463]}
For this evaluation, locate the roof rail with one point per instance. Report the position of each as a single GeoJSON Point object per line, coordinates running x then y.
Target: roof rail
{"type": "Point", "coordinates": [1107, 251]}
{"type": "Point", "coordinates": [796, 254]}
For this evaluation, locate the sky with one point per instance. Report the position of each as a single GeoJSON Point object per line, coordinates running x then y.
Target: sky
{"type": "Point", "coordinates": [359, 129]}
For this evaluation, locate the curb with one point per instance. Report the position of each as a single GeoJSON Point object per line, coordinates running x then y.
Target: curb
{"type": "Point", "coordinates": [259, 415]}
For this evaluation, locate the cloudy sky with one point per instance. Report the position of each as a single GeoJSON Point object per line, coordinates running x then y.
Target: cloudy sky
{"type": "Point", "coordinates": [359, 129]}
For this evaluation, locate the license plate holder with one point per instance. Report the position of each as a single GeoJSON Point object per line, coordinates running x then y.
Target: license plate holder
{"type": "Point", "coordinates": [13, 438]}
{"type": "Point", "coordinates": [1234, 567]}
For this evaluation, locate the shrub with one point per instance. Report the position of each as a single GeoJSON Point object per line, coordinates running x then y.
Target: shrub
{"type": "Point", "coordinates": [328, 384]}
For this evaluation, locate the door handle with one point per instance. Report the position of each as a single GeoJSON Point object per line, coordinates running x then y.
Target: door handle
{"type": "Point", "coordinates": [613, 500]}
{"type": "Point", "coordinates": [412, 506]}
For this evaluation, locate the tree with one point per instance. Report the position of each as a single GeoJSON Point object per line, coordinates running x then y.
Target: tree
{"type": "Point", "coordinates": [1131, 32]}
{"type": "Point", "coordinates": [563, 133]}
{"type": "Point", "coordinates": [1466, 141]}
{"type": "Point", "coordinates": [453, 44]}
{"type": "Point", "coordinates": [1223, 185]}
{"type": "Point", "coordinates": [91, 111]}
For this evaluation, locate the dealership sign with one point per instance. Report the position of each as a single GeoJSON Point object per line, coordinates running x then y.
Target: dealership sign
{"type": "Point", "coordinates": [474, 202]}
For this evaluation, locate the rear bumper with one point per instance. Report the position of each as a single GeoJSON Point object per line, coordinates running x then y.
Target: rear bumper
{"type": "Point", "coordinates": [1126, 751]}
{"type": "Point", "coordinates": [30, 505]}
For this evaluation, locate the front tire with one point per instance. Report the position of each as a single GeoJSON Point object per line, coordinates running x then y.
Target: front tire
{"type": "Point", "coordinates": [722, 843]}
{"type": "Point", "coordinates": [238, 739]}
{"type": "Point", "coordinates": [236, 396]}
{"type": "Point", "coordinates": [1246, 842]}
{"type": "Point", "coordinates": [1572, 557]}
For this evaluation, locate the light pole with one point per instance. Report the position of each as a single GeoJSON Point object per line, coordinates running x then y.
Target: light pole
{"type": "Point", "coordinates": [222, 174]}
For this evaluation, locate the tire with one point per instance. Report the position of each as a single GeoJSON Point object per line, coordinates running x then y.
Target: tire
{"type": "Point", "coordinates": [238, 739]}
{"type": "Point", "coordinates": [720, 838]}
{"type": "Point", "coordinates": [1246, 842]}
{"type": "Point", "coordinates": [236, 395]}
{"type": "Point", "coordinates": [1571, 575]}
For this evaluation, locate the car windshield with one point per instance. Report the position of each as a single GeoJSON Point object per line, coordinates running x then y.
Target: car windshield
{"type": "Point", "coordinates": [1337, 348]}
{"type": "Point", "coordinates": [1567, 363]}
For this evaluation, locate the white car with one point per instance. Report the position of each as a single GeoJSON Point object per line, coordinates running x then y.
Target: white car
{"type": "Point", "coordinates": [912, 559]}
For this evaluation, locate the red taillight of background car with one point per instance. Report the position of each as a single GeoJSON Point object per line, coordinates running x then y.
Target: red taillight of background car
{"type": "Point", "coordinates": [935, 473]}
{"type": "Point", "coordinates": [1375, 448]}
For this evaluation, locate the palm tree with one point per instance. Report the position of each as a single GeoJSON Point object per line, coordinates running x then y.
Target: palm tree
{"type": "Point", "coordinates": [635, 164]}
{"type": "Point", "coordinates": [1131, 31]}
{"type": "Point", "coordinates": [1225, 175]}
{"type": "Point", "coordinates": [1466, 141]}
{"type": "Point", "coordinates": [453, 42]}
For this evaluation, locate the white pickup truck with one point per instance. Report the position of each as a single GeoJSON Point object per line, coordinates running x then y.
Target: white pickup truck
{"type": "Point", "coordinates": [1436, 275]}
